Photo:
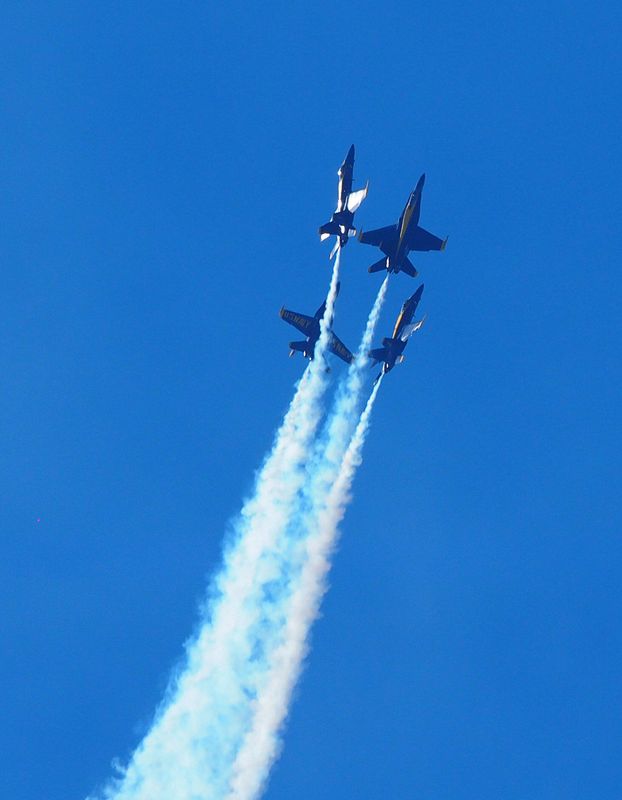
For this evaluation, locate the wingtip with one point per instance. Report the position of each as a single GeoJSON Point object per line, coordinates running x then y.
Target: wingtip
{"type": "Point", "coordinates": [444, 245]}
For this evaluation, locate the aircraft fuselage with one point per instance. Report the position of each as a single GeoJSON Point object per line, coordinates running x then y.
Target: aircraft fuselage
{"type": "Point", "coordinates": [409, 219]}
{"type": "Point", "coordinates": [342, 216]}
{"type": "Point", "coordinates": [393, 347]}
{"type": "Point", "coordinates": [341, 222]}
{"type": "Point", "coordinates": [345, 173]}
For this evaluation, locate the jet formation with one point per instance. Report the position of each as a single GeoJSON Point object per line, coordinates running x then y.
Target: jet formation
{"type": "Point", "coordinates": [396, 242]}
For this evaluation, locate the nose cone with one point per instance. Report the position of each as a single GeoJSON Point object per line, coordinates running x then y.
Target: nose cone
{"type": "Point", "coordinates": [414, 299]}
{"type": "Point", "coordinates": [350, 156]}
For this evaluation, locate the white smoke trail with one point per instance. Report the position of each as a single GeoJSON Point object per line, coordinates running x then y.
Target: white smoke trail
{"type": "Point", "coordinates": [330, 480]}
{"type": "Point", "coordinates": [342, 419]}
{"type": "Point", "coordinates": [190, 749]}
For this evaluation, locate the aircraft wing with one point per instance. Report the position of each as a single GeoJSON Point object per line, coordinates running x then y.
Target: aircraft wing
{"type": "Point", "coordinates": [336, 346]}
{"type": "Point", "coordinates": [423, 240]}
{"type": "Point", "coordinates": [304, 323]}
{"type": "Point", "coordinates": [355, 199]}
{"type": "Point", "coordinates": [384, 238]}
{"type": "Point", "coordinates": [409, 329]}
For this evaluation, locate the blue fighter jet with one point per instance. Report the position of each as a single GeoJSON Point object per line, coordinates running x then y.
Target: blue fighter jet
{"type": "Point", "coordinates": [310, 327]}
{"type": "Point", "coordinates": [396, 241]}
{"type": "Point", "coordinates": [340, 224]}
{"type": "Point", "coordinates": [391, 351]}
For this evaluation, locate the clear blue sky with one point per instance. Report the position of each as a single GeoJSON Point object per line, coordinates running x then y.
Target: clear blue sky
{"type": "Point", "coordinates": [164, 170]}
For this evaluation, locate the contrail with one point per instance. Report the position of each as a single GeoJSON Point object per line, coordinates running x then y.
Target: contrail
{"type": "Point", "coordinates": [189, 751]}
{"type": "Point", "coordinates": [331, 474]}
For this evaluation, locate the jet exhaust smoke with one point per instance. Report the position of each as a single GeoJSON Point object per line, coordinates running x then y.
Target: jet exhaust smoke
{"type": "Point", "coordinates": [330, 477]}
{"type": "Point", "coordinates": [198, 729]}
{"type": "Point", "coordinates": [216, 734]}
{"type": "Point", "coordinates": [261, 746]}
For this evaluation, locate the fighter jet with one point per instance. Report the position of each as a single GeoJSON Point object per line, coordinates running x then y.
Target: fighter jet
{"type": "Point", "coordinates": [348, 201]}
{"type": "Point", "coordinates": [391, 351]}
{"type": "Point", "coordinates": [396, 241]}
{"type": "Point", "coordinates": [310, 327]}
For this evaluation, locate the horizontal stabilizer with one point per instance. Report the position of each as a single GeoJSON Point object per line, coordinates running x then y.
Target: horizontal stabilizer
{"type": "Point", "coordinates": [329, 229]}
{"type": "Point", "coordinates": [378, 355]}
{"type": "Point", "coordinates": [409, 268]}
{"type": "Point", "coordinates": [378, 266]}
{"type": "Point", "coordinates": [297, 347]}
